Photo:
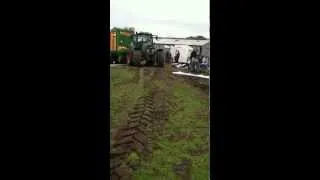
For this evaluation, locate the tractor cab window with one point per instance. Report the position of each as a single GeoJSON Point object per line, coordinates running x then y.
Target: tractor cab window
{"type": "Point", "coordinates": [143, 39]}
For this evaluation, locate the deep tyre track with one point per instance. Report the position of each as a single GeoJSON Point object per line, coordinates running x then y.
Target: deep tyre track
{"type": "Point", "coordinates": [148, 116]}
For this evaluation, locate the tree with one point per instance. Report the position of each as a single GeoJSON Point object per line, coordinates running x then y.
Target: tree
{"type": "Point", "coordinates": [199, 37]}
{"type": "Point", "coordinates": [131, 29]}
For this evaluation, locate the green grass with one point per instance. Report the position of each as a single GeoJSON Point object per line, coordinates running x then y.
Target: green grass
{"type": "Point", "coordinates": [124, 89]}
{"type": "Point", "coordinates": [189, 132]}
{"type": "Point", "coordinates": [184, 132]}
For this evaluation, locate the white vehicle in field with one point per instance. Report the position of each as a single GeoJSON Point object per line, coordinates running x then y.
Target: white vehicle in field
{"type": "Point", "coordinates": [184, 50]}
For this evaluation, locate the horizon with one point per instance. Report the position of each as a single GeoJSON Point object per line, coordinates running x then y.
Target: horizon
{"type": "Point", "coordinates": [191, 19]}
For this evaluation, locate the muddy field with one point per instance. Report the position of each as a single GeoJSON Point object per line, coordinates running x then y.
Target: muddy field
{"type": "Point", "coordinates": [160, 125]}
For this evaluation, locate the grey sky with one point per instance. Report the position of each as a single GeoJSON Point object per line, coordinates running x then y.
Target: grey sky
{"type": "Point", "coordinates": [173, 18]}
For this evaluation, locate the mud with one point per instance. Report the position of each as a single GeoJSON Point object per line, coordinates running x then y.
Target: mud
{"type": "Point", "coordinates": [146, 120]}
{"type": "Point", "coordinates": [200, 83]}
{"type": "Point", "coordinates": [183, 169]}
{"type": "Point", "coordinates": [136, 135]}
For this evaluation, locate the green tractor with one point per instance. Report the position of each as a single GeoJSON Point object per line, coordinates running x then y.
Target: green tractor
{"type": "Point", "coordinates": [144, 52]}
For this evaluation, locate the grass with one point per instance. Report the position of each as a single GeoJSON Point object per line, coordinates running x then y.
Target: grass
{"type": "Point", "coordinates": [124, 89]}
{"type": "Point", "coordinates": [186, 131]}
{"type": "Point", "coordinates": [202, 71]}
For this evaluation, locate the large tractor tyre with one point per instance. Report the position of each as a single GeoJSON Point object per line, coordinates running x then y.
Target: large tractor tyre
{"type": "Point", "coordinates": [136, 58]}
{"type": "Point", "coordinates": [122, 59]}
{"type": "Point", "coordinates": [131, 62]}
{"type": "Point", "coordinates": [129, 58]}
{"type": "Point", "coordinates": [160, 59]}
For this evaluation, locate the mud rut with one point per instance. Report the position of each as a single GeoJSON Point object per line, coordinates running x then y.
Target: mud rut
{"type": "Point", "coordinates": [136, 135]}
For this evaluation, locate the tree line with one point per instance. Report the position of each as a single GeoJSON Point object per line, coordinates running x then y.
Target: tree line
{"type": "Point", "coordinates": [132, 29]}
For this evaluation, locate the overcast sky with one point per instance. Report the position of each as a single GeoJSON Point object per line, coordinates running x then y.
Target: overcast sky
{"type": "Point", "coordinates": [173, 18]}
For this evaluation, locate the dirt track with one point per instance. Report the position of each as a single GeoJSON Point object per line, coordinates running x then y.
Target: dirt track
{"type": "Point", "coordinates": [135, 136]}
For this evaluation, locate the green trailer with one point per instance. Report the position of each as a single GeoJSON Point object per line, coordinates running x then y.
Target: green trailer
{"type": "Point", "coordinates": [121, 41]}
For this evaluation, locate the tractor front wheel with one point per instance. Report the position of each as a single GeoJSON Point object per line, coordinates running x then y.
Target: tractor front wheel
{"type": "Point", "coordinates": [136, 58]}
{"type": "Point", "coordinates": [129, 58]}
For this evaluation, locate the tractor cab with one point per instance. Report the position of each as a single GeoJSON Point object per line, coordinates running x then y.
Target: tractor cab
{"type": "Point", "coordinates": [145, 52]}
{"type": "Point", "coordinates": [143, 41]}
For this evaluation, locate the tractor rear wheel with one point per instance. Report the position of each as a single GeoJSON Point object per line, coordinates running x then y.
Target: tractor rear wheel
{"type": "Point", "coordinates": [159, 59]}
